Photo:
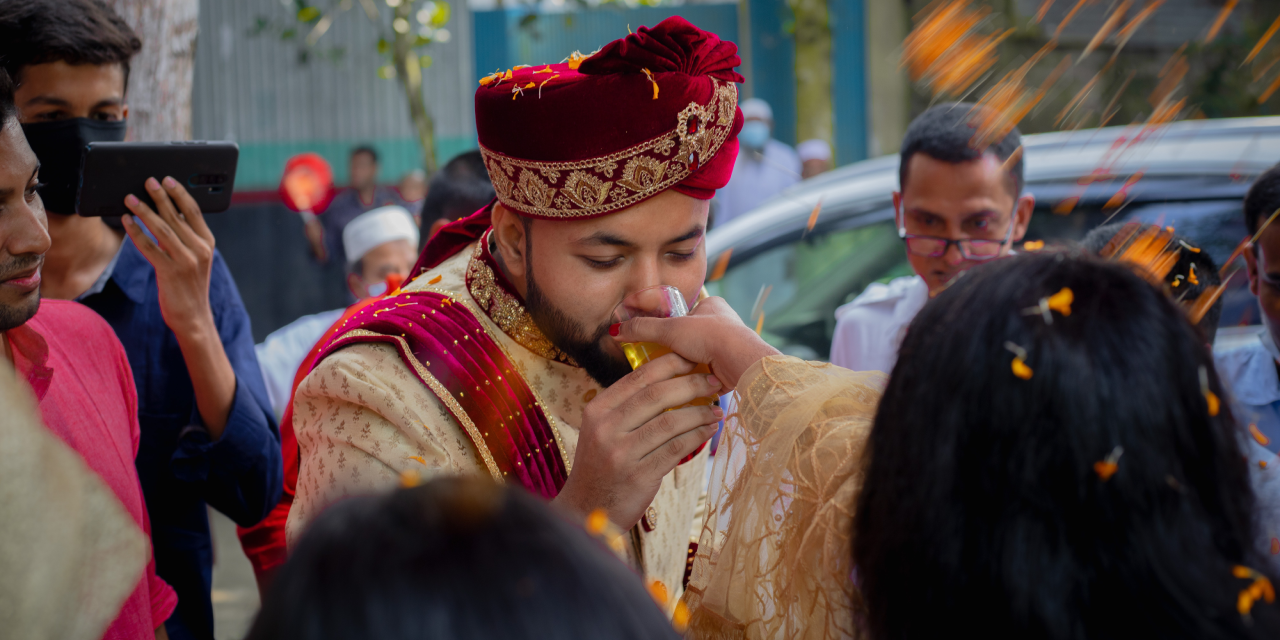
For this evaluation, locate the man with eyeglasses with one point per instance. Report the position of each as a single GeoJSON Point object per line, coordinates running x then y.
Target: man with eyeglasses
{"type": "Point", "coordinates": [958, 206]}
{"type": "Point", "coordinates": [1252, 371]}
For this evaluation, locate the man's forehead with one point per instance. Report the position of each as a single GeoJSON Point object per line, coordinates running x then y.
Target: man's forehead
{"type": "Point", "coordinates": [59, 80]}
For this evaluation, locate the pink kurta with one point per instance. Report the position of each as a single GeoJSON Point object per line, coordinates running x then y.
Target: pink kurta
{"type": "Point", "coordinates": [81, 378]}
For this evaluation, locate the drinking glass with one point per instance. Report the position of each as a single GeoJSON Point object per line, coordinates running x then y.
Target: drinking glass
{"type": "Point", "coordinates": [662, 301]}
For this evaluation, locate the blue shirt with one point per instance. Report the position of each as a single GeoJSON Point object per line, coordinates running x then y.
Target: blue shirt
{"type": "Point", "coordinates": [1249, 372]}
{"type": "Point", "coordinates": [181, 470]}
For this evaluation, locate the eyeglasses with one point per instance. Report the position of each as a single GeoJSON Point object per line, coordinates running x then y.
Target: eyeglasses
{"type": "Point", "coordinates": [972, 249]}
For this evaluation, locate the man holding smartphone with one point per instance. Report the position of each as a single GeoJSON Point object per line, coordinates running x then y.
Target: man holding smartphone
{"type": "Point", "coordinates": [208, 435]}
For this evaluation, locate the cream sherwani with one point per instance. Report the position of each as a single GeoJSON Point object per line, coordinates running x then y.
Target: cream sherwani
{"type": "Point", "coordinates": [363, 419]}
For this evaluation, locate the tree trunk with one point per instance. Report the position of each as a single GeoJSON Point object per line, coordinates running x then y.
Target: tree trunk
{"type": "Point", "coordinates": [813, 71]}
{"type": "Point", "coordinates": [159, 94]}
{"type": "Point", "coordinates": [409, 72]}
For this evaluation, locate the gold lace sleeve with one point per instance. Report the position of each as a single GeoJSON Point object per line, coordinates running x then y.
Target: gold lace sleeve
{"type": "Point", "coordinates": [773, 557]}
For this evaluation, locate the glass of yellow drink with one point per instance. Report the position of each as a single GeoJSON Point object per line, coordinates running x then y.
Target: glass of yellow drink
{"type": "Point", "coordinates": [655, 302]}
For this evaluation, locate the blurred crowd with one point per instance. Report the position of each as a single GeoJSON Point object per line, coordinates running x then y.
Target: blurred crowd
{"type": "Point", "coordinates": [1030, 442]}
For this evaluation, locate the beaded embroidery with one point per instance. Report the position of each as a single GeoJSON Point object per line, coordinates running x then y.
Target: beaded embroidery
{"type": "Point", "coordinates": [506, 309]}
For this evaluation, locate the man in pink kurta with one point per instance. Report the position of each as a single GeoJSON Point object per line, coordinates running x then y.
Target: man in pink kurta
{"type": "Point", "coordinates": [73, 363]}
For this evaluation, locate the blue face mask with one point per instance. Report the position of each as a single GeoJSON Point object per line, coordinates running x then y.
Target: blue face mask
{"type": "Point", "coordinates": [754, 134]}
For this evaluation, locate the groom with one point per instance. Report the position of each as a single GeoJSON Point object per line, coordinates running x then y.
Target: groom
{"type": "Point", "coordinates": [496, 360]}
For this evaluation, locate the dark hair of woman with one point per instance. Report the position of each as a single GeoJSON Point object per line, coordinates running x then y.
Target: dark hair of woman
{"type": "Point", "coordinates": [454, 559]}
{"type": "Point", "coordinates": [989, 505]}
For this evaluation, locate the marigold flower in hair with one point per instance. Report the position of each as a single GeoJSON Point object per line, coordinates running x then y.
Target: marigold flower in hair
{"type": "Point", "coordinates": [1108, 466]}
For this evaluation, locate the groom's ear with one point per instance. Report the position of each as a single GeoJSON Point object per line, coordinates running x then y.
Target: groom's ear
{"type": "Point", "coordinates": [510, 235]}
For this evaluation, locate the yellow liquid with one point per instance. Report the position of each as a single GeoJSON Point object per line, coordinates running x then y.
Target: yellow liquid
{"type": "Point", "coordinates": [639, 353]}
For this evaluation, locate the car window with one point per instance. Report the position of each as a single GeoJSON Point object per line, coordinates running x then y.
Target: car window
{"type": "Point", "coordinates": [810, 277]}
{"type": "Point", "coordinates": [1217, 226]}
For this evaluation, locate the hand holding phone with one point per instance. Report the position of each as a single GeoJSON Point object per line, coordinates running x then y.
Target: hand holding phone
{"type": "Point", "coordinates": [182, 252]}
{"type": "Point", "coordinates": [182, 255]}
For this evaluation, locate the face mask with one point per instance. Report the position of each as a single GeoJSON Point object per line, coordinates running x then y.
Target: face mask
{"type": "Point", "coordinates": [376, 289]}
{"type": "Point", "coordinates": [754, 134]}
{"type": "Point", "coordinates": [60, 147]}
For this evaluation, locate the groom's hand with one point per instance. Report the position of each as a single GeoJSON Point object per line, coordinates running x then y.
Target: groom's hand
{"type": "Point", "coordinates": [628, 440]}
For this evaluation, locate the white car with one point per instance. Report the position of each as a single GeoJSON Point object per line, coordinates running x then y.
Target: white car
{"type": "Point", "coordinates": [1194, 175]}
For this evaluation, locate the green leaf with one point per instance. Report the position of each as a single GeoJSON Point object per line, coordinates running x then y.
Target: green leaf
{"type": "Point", "coordinates": [421, 41]}
{"type": "Point", "coordinates": [424, 61]}
{"type": "Point", "coordinates": [308, 14]}
{"type": "Point", "coordinates": [441, 15]}
{"type": "Point", "coordinates": [288, 34]}
{"type": "Point", "coordinates": [386, 72]}
{"type": "Point", "coordinates": [383, 46]}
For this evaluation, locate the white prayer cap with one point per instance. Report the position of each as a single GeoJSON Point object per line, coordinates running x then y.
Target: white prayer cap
{"type": "Point", "coordinates": [814, 149]}
{"type": "Point", "coordinates": [376, 227]}
{"type": "Point", "coordinates": [756, 108]}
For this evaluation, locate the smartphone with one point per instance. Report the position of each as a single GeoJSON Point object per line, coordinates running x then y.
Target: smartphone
{"type": "Point", "coordinates": [109, 171]}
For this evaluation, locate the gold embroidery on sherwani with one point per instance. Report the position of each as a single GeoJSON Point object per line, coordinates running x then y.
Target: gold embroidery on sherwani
{"type": "Point", "coordinates": [442, 393]}
{"type": "Point", "coordinates": [507, 311]}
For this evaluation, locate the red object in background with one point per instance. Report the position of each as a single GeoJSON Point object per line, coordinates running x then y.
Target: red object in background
{"type": "Point", "coordinates": [307, 184]}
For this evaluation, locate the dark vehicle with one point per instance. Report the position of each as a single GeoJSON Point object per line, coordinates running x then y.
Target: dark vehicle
{"type": "Point", "coordinates": [1189, 175]}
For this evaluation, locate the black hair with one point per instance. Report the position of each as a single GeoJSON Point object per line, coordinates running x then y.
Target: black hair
{"type": "Point", "coordinates": [1206, 273]}
{"type": "Point", "coordinates": [461, 188]}
{"type": "Point", "coordinates": [985, 506]}
{"type": "Point", "coordinates": [7, 108]}
{"type": "Point", "coordinates": [1263, 199]}
{"type": "Point", "coordinates": [364, 148]}
{"type": "Point", "coordinates": [468, 164]}
{"type": "Point", "coordinates": [72, 31]}
{"type": "Point", "coordinates": [945, 132]}
{"type": "Point", "coordinates": [457, 559]}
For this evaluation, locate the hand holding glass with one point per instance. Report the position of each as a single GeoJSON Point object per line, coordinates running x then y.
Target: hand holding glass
{"type": "Point", "coordinates": [656, 302]}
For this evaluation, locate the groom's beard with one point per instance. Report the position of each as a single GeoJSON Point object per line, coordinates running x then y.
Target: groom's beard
{"type": "Point", "coordinates": [581, 343]}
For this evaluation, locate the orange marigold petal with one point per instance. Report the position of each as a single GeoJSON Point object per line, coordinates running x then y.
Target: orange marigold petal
{"type": "Point", "coordinates": [1061, 301]}
{"type": "Point", "coordinates": [1105, 469]}
{"type": "Point", "coordinates": [1021, 369]}
{"type": "Point", "coordinates": [435, 280]}
{"type": "Point", "coordinates": [1214, 404]}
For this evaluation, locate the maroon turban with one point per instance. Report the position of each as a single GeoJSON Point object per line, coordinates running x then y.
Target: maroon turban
{"type": "Point", "coordinates": [596, 134]}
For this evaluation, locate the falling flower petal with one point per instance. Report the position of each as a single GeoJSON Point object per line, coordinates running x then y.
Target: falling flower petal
{"type": "Point", "coordinates": [1061, 301]}
{"type": "Point", "coordinates": [722, 264]}
{"type": "Point", "coordinates": [597, 521]}
{"type": "Point", "coordinates": [1262, 42]}
{"type": "Point", "coordinates": [1105, 469]}
{"type": "Point", "coordinates": [655, 82]}
{"type": "Point", "coordinates": [1191, 277]}
{"type": "Point", "coordinates": [589, 395]}
{"type": "Point", "coordinates": [1020, 369]}
{"type": "Point", "coordinates": [1258, 435]}
{"type": "Point", "coordinates": [435, 280]}
{"type": "Point", "coordinates": [419, 459]}
{"type": "Point", "coordinates": [813, 216]}
{"type": "Point", "coordinates": [659, 592]}
{"type": "Point", "coordinates": [1033, 245]}
{"type": "Point", "coordinates": [1220, 20]}
{"type": "Point", "coordinates": [680, 619]}
{"type": "Point", "coordinates": [1275, 546]}
{"type": "Point", "coordinates": [1259, 589]}
{"type": "Point", "coordinates": [410, 478]}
